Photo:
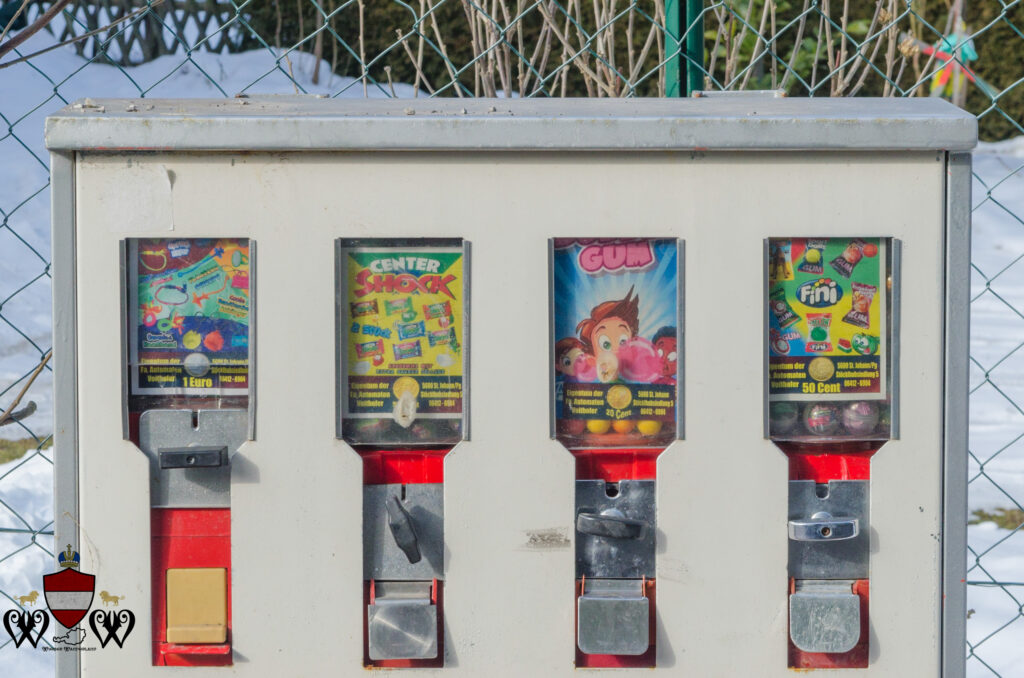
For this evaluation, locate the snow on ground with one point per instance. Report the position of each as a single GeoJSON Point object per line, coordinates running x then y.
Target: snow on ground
{"type": "Point", "coordinates": [28, 92]}
{"type": "Point", "coordinates": [26, 484]}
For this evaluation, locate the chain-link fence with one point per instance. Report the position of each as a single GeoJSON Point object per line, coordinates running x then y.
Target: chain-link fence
{"type": "Point", "coordinates": [972, 52]}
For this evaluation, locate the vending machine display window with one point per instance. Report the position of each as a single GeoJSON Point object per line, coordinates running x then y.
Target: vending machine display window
{"type": "Point", "coordinates": [617, 350]}
{"type": "Point", "coordinates": [829, 339]}
{"type": "Point", "coordinates": [401, 341]}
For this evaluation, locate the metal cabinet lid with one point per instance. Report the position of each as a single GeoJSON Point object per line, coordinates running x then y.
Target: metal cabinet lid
{"type": "Point", "coordinates": [309, 123]}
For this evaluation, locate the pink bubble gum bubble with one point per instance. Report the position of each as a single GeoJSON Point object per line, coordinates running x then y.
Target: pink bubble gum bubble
{"type": "Point", "coordinates": [639, 361]}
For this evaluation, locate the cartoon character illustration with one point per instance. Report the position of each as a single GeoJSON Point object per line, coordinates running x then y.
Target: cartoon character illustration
{"type": "Point", "coordinates": [572, 360]}
{"type": "Point", "coordinates": [865, 344]}
{"type": "Point", "coordinates": [665, 343]}
{"type": "Point", "coordinates": [611, 324]}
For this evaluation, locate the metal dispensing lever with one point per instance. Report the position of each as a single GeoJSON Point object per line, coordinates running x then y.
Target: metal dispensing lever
{"type": "Point", "coordinates": [402, 529]}
{"type": "Point", "coordinates": [823, 526]}
{"type": "Point", "coordinates": [610, 523]}
{"type": "Point", "coordinates": [197, 456]}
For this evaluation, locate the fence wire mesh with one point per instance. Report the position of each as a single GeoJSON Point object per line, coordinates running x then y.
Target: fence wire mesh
{"type": "Point", "coordinates": [53, 52]}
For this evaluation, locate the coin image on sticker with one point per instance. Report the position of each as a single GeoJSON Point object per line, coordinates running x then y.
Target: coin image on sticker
{"type": "Point", "coordinates": [619, 397]}
{"type": "Point", "coordinates": [821, 369]}
{"type": "Point", "coordinates": [196, 364]}
{"type": "Point", "coordinates": [406, 385]}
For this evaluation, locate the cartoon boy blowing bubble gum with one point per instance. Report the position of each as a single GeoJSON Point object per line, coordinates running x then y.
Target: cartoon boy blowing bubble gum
{"type": "Point", "coordinates": [611, 324]}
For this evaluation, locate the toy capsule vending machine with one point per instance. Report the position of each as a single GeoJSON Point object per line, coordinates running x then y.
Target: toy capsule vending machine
{"type": "Point", "coordinates": [188, 330]}
{"type": "Point", "coordinates": [402, 326]}
{"type": "Point", "coordinates": [830, 408]}
{"type": "Point", "coordinates": [615, 349]}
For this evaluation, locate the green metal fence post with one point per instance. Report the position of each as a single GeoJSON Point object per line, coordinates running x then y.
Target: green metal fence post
{"type": "Point", "coordinates": [674, 49]}
{"type": "Point", "coordinates": [694, 46]}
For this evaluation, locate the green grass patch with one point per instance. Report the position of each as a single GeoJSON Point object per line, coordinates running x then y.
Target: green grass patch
{"type": "Point", "coordinates": [16, 449]}
{"type": "Point", "coordinates": [1008, 519]}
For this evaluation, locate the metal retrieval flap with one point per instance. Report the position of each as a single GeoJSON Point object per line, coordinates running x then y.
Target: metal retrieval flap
{"type": "Point", "coordinates": [824, 616]}
{"type": "Point", "coordinates": [614, 617]}
{"type": "Point", "coordinates": [402, 621]}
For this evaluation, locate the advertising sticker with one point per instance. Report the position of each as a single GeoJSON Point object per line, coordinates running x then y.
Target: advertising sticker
{"type": "Point", "coordinates": [189, 316]}
{"type": "Point", "coordinates": [827, 319]}
{"type": "Point", "coordinates": [403, 323]}
{"type": "Point", "coordinates": [616, 341]}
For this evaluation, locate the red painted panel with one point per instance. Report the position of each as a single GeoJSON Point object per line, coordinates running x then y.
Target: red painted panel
{"type": "Point", "coordinates": [614, 465]}
{"type": "Point", "coordinates": [406, 467]}
{"type": "Point", "coordinates": [187, 538]}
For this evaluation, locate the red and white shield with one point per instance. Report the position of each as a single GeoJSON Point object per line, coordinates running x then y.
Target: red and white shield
{"type": "Point", "coordinates": [69, 595]}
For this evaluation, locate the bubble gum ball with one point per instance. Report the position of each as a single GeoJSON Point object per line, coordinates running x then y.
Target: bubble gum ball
{"type": "Point", "coordinates": [813, 256]}
{"type": "Point", "coordinates": [572, 427]}
{"type": "Point", "coordinates": [860, 418]}
{"type": "Point", "coordinates": [821, 419]}
{"type": "Point", "coordinates": [598, 426]}
{"type": "Point", "coordinates": [623, 426]}
{"type": "Point", "coordinates": [649, 427]}
{"type": "Point", "coordinates": [782, 417]}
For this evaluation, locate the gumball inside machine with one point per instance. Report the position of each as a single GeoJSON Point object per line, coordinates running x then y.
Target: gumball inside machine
{"type": "Point", "coordinates": [616, 360]}
{"type": "Point", "coordinates": [830, 408]}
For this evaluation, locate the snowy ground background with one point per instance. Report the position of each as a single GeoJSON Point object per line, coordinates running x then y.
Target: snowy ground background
{"type": "Point", "coordinates": [30, 91]}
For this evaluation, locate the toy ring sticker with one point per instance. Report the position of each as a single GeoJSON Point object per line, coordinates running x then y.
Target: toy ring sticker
{"type": "Point", "coordinates": [827, 321]}
{"type": "Point", "coordinates": [189, 324]}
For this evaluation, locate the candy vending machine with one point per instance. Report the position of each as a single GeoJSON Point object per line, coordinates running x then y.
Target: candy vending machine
{"type": "Point", "coordinates": [401, 331]}
{"type": "Point", "coordinates": [830, 409]}
{"type": "Point", "coordinates": [617, 341]}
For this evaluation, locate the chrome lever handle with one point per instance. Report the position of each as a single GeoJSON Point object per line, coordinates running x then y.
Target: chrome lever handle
{"type": "Point", "coordinates": [610, 524]}
{"type": "Point", "coordinates": [402, 529]}
{"type": "Point", "coordinates": [824, 527]}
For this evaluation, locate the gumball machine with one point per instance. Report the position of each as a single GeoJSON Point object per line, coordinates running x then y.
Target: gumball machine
{"type": "Point", "coordinates": [616, 363]}
{"type": "Point", "coordinates": [401, 328]}
{"type": "Point", "coordinates": [829, 409]}
{"type": "Point", "coordinates": [188, 409]}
